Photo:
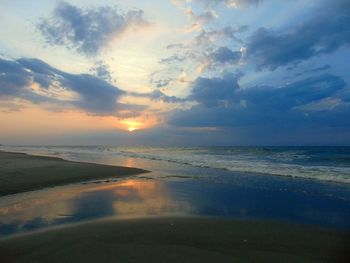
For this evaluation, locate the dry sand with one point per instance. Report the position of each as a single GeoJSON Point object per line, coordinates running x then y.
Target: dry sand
{"type": "Point", "coordinates": [178, 240]}
{"type": "Point", "coordinates": [21, 172]}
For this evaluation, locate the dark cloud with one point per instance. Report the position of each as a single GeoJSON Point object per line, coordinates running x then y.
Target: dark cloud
{"type": "Point", "coordinates": [313, 70]}
{"type": "Point", "coordinates": [158, 95]}
{"type": "Point", "coordinates": [89, 93]}
{"type": "Point", "coordinates": [316, 103]}
{"type": "Point", "coordinates": [13, 77]}
{"type": "Point", "coordinates": [102, 71]}
{"type": "Point", "coordinates": [94, 95]}
{"type": "Point", "coordinates": [87, 30]}
{"type": "Point", "coordinates": [324, 67]}
{"type": "Point", "coordinates": [225, 55]}
{"type": "Point", "coordinates": [212, 36]}
{"type": "Point", "coordinates": [215, 91]}
{"type": "Point", "coordinates": [326, 31]}
{"type": "Point", "coordinates": [97, 96]}
{"type": "Point", "coordinates": [292, 95]}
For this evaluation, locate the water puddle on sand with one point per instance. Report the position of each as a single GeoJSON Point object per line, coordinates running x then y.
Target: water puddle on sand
{"type": "Point", "coordinates": [74, 203]}
{"type": "Point", "coordinates": [142, 197]}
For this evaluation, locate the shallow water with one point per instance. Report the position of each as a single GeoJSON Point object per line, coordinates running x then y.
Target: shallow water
{"type": "Point", "coordinates": [251, 197]}
{"type": "Point", "coordinates": [177, 188]}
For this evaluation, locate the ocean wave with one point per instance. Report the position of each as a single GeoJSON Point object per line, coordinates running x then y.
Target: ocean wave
{"type": "Point", "coordinates": [298, 163]}
{"type": "Point", "coordinates": [250, 165]}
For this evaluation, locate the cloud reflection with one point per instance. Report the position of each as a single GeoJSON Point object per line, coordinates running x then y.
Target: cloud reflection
{"type": "Point", "coordinates": [129, 198]}
{"type": "Point", "coordinates": [135, 198]}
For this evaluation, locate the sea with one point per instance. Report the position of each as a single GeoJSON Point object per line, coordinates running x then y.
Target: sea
{"type": "Point", "coordinates": [298, 185]}
{"type": "Point", "coordinates": [330, 164]}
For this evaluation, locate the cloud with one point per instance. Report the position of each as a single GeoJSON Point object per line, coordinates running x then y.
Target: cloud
{"type": "Point", "coordinates": [13, 77]}
{"type": "Point", "coordinates": [35, 81]}
{"type": "Point", "coordinates": [165, 80]}
{"type": "Point", "coordinates": [220, 57]}
{"type": "Point", "coordinates": [172, 59]}
{"type": "Point", "coordinates": [228, 3]}
{"type": "Point", "coordinates": [87, 31]}
{"type": "Point", "coordinates": [159, 79]}
{"type": "Point", "coordinates": [158, 95]}
{"type": "Point", "coordinates": [326, 31]}
{"type": "Point", "coordinates": [202, 18]}
{"type": "Point", "coordinates": [313, 70]}
{"type": "Point", "coordinates": [315, 103]}
{"type": "Point", "coordinates": [225, 55]}
{"type": "Point", "coordinates": [203, 49]}
{"type": "Point", "coordinates": [210, 92]}
{"type": "Point", "coordinates": [102, 71]}
{"type": "Point", "coordinates": [207, 37]}
{"type": "Point", "coordinates": [233, 3]}
{"type": "Point", "coordinates": [237, 3]}
{"type": "Point", "coordinates": [160, 83]}
{"type": "Point", "coordinates": [175, 46]}
{"type": "Point", "coordinates": [38, 82]}
{"type": "Point", "coordinates": [198, 20]}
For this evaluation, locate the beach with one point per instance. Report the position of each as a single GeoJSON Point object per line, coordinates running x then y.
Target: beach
{"type": "Point", "coordinates": [105, 213]}
{"type": "Point", "coordinates": [178, 240]}
{"type": "Point", "coordinates": [20, 172]}
{"type": "Point", "coordinates": [174, 131]}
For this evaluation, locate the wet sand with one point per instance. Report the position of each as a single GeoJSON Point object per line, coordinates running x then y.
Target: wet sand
{"type": "Point", "coordinates": [162, 239]}
{"type": "Point", "coordinates": [178, 240]}
{"type": "Point", "coordinates": [20, 172]}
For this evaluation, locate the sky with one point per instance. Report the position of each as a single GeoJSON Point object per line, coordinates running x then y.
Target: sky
{"type": "Point", "coordinates": [175, 72]}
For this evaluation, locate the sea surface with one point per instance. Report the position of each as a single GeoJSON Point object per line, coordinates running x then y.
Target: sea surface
{"type": "Point", "coordinates": [319, 163]}
{"type": "Point", "coordinates": [300, 185]}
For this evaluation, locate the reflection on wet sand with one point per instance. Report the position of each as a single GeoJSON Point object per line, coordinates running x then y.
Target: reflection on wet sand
{"type": "Point", "coordinates": [129, 198]}
{"type": "Point", "coordinates": [141, 198]}
{"type": "Point", "coordinates": [130, 163]}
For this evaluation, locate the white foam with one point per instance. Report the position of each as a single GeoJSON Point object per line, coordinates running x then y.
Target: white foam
{"type": "Point", "coordinates": [200, 157]}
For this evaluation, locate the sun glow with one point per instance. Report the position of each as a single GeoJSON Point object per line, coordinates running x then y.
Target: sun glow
{"type": "Point", "coordinates": [132, 125]}
{"type": "Point", "coordinates": [139, 123]}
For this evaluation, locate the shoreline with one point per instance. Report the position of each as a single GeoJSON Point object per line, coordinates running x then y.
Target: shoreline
{"type": "Point", "coordinates": [306, 173]}
{"type": "Point", "coordinates": [21, 172]}
{"type": "Point", "coordinates": [178, 239]}
{"type": "Point", "coordinates": [169, 238]}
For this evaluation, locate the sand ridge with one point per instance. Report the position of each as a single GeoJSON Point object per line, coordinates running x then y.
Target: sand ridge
{"type": "Point", "coordinates": [21, 172]}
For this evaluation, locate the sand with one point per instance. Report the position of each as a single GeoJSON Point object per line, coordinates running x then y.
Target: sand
{"type": "Point", "coordinates": [178, 240]}
{"type": "Point", "coordinates": [166, 239]}
{"type": "Point", "coordinates": [21, 172]}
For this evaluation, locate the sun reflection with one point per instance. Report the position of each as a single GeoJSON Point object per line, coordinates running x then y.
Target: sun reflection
{"type": "Point", "coordinates": [129, 198]}
{"type": "Point", "coordinates": [130, 163]}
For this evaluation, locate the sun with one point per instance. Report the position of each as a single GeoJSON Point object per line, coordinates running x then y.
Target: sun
{"type": "Point", "coordinates": [139, 124]}
{"type": "Point", "coordinates": [130, 129]}
{"type": "Point", "coordinates": [132, 125]}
